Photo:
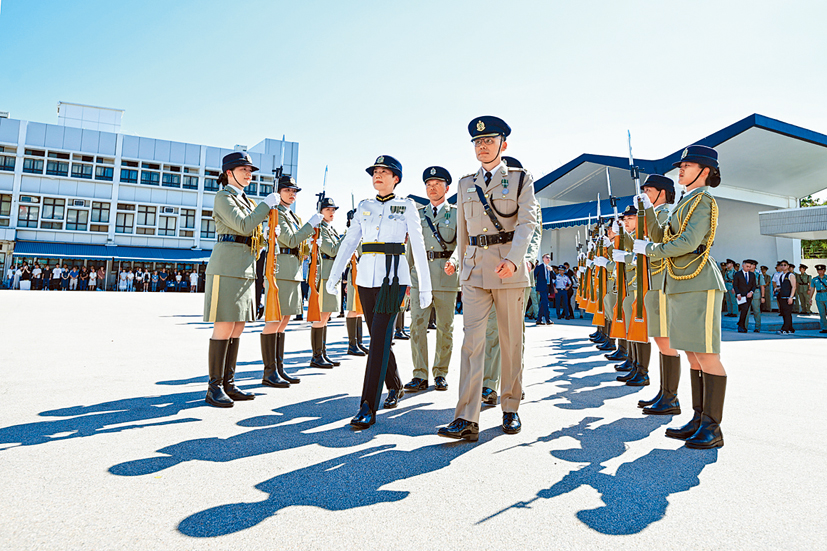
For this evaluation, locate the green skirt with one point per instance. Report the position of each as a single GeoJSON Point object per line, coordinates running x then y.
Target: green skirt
{"type": "Point", "coordinates": [694, 321]}
{"type": "Point", "coordinates": [290, 296]}
{"type": "Point", "coordinates": [351, 295]}
{"type": "Point", "coordinates": [229, 298]}
{"type": "Point", "coordinates": [655, 302]}
{"type": "Point", "coordinates": [330, 303]}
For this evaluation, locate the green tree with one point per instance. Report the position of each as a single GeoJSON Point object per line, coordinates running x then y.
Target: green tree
{"type": "Point", "coordinates": [813, 248]}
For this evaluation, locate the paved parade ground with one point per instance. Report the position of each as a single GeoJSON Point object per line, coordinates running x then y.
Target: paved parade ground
{"type": "Point", "coordinates": [106, 443]}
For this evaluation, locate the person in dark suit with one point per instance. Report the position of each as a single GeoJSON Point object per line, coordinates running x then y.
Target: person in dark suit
{"type": "Point", "coordinates": [744, 284]}
{"type": "Point", "coordinates": [542, 278]}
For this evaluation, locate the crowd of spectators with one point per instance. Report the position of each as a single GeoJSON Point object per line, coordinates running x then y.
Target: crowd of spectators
{"type": "Point", "coordinates": [63, 277]}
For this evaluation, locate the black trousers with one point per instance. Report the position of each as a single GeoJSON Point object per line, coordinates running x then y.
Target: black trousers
{"type": "Point", "coordinates": [786, 310]}
{"type": "Point", "coordinates": [381, 363]}
{"type": "Point", "coordinates": [743, 310]}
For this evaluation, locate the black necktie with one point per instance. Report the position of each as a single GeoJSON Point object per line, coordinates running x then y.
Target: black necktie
{"type": "Point", "coordinates": [487, 178]}
{"type": "Point", "coordinates": [434, 213]}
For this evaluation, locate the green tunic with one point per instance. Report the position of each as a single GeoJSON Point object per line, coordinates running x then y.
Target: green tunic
{"type": "Point", "coordinates": [292, 235]}
{"type": "Point", "coordinates": [329, 242]}
{"type": "Point", "coordinates": [655, 300]}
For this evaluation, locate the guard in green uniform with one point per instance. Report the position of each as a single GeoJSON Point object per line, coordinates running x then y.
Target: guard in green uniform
{"type": "Point", "coordinates": [802, 290]}
{"type": "Point", "coordinates": [694, 289]}
{"type": "Point", "coordinates": [661, 193]}
{"type": "Point", "coordinates": [328, 248]}
{"type": "Point", "coordinates": [291, 241]}
{"type": "Point", "coordinates": [439, 229]}
{"type": "Point", "coordinates": [229, 298]}
{"type": "Point", "coordinates": [731, 303]}
{"type": "Point", "coordinates": [819, 289]}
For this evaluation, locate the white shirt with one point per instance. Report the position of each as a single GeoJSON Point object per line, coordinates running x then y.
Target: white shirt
{"type": "Point", "coordinates": [130, 275]}
{"type": "Point", "coordinates": [776, 278]}
{"type": "Point", "coordinates": [122, 276]}
{"type": "Point", "coordinates": [56, 273]}
{"type": "Point", "coordinates": [36, 271]}
{"type": "Point", "coordinates": [388, 222]}
{"type": "Point", "coordinates": [562, 281]}
{"type": "Point", "coordinates": [193, 278]}
{"type": "Point", "coordinates": [93, 275]}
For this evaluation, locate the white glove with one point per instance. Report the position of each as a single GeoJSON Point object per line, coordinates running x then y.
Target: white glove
{"type": "Point", "coordinates": [425, 299]}
{"type": "Point", "coordinates": [619, 256]}
{"type": "Point", "coordinates": [601, 261]}
{"type": "Point", "coordinates": [607, 242]}
{"type": "Point", "coordinates": [581, 255]}
{"type": "Point", "coordinates": [640, 246]}
{"type": "Point", "coordinates": [332, 286]}
{"type": "Point", "coordinates": [315, 220]}
{"type": "Point", "coordinates": [591, 246]}
{"type": "Point", "coordinates": [589, 263]}
{"type": "Point", "coordinates": [272, 200]}
{"type": "Point", "coordinates": [647, 203]}
{"type": "Point", "coordinates": [615, 227]}
{"type": "Point", "coordinates": [278, 230]}
{"type": "Point", "coordinates": [581, 270]}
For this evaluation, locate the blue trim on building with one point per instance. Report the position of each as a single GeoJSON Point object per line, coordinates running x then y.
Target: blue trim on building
{"type": "Point", "coordinates": [44, 249]}
{"type": "Point", "coordinates": [565, 216]}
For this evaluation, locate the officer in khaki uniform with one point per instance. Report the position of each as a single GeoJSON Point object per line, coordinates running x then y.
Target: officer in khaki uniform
{"type": "Point", "coordinates": [439, 229]}
{"type": "Point", "coordinates": [492, 244]}
{"type": "Point", "coordinates": [291, 242]}
{"type": "Point", "coordinates": [229, 300]}
{"type": "Point", "coordinates": [802, 289]}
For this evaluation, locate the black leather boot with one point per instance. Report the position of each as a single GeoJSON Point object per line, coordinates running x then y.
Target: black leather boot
{"type": "Point", "coordinates": [684, 432]}
{"type": "Point", "coordinates": [597, 335]}
{"type": "Point", "coordinates": [215, 358]}
{"type": "Point", "coordinates": [670, 375]}
{"type": "Point", "coordinates": [608, 345]}
{"type": "Point", "coordinates": [641, 378]}
{"type": "Point", "coordinates": [633, 354]}
{"type": "Point", "coordinates": [359, 343]}
{"type": "Point", "coordinates": [230, 360]}
{"type": "Point", "coordinates": [365, 418]}
{"type": "Point", "coordinates": [280, 360]}
{"type": "Point", "coordinates": [316, 345]}
{"type": "Point", "coordinates": [646, 403]}
{"type": "Point", "coordinates": [593, 335]}
{"type": "Point", "coordinates": [709, 433]}
{"type": "Point", "coordinates": [619, 354]}
{"type": "Point", "coordinates": [324, 348]}
{"type": "Point", "coordinates": [268, 358]}
{"type": "Point", "coordinates": [352, 348]}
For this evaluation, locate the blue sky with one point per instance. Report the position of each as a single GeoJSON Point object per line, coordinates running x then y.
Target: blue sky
{"type": "Point", "coordinates": [352, 80]}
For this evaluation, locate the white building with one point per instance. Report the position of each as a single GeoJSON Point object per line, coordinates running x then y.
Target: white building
{"type": "Point", "coordinates": [80, 192]}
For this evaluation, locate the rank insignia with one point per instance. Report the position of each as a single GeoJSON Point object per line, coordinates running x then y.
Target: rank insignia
{"type": "Point", "coordinates": [480, 126]}
{"type": "Point", "coordinates": [380, 160]}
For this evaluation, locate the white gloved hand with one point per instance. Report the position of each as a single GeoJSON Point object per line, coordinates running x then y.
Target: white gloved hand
{"type": "Point", "coordinates": [619, 256]}
{"type": "Point", "coordinates": [272, 200]}
{"type": "Point", "coordinates": [601, 261]}
{"type": "Point", "coordinates": [640, 246]}
{"type": "Point", "coordinates": [615, 227]}
{"type": "Point", "coordinates": [315, 220]}
{"type": "Point", "coordinates": [647, 203]}
{"type": "Point", "coordinates": [425, 299]}
{"type": "Point", "coordinates": [581, 270]}
{"type": "Point", "coordinates": [589, 263]}
{"type": "Point", "coordinates": [581, 255]}
{"type": "Point", "coordinates": [332, 286]}
{"type": "Point", "coordinates": [591, 246]}
{"type": "Point", "coordinates": [278, 230]}
{"type": "Point", "coordinates": [607, 242]}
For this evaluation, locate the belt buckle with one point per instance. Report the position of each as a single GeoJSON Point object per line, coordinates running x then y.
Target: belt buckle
{"type": "Point", "coordinates": [483, 241]}
{"type": "Point", "coordinates": [430, 255]}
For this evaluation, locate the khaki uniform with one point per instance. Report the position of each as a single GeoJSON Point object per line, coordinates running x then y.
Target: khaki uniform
{"type": "Point", "coordinates": [329, 242]}
{"type": "Point", "coordinates": [445, 290]}
{"type": "Point", "coordinates": [289, 264]}
{"type": "Point", "coordinates": [482, 288]}
{"type": "Point", "coordinates": [231, 272]}
{"type": "Point", "coordinates": [694, 291]}
{"type": "Point", "coordinates": [655, 300]}
{"type": "Point", "coordinates": [802, 292]}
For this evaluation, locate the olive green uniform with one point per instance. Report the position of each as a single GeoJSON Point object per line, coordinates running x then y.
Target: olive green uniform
{"type": "Point", "coordinates": [438, 248]}
{"type": "Point", "coordinates": [694, 291]}
{"type": "Point", "coordinates": [329, 242]}
{"type": "Point", "coordinates": [655, 299]}
{"type": "Point", "coordinates": [802, 292]}
{"type": "Point", "coordinates": [731, 302]}
{"type": "Point", "coordinates": [231, 272]}
{"type": "Point", "coordinates": [289, 262]}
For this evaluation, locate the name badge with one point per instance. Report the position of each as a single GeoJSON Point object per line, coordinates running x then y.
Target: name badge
{"type": "Point", "coordinates": [365, 213]}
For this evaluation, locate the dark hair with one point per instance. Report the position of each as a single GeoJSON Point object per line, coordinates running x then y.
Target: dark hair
{"type": "Point", "coordinates": [222, 179]}
{"type": "Point", "coordinates": [714, 178]}
{"type": "Point", "coordinates": [670, 195]}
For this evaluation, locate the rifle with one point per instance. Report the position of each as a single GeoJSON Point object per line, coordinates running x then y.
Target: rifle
{"type": "Point", "coordinates": [601, 273]}
{"type": "Point", "coordinates": [638, 328]}
{"type": "Point", "coordinates": [618, 319]}
{"type": "Point", "coordinates": [314, 307]}
{"type": "Point", "coordinates": [272, 307]}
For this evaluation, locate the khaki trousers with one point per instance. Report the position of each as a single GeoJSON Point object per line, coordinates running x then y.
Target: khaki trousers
{"type": "Point", "coordinates": [491, 373]}
{"type": "Point", "coordinates": [444, 303]}
{"type": "Point", "coordinates": [510, 306]}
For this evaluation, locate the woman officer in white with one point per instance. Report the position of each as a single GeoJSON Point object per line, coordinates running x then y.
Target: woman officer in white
{"type": "Point", "coordinates": [381, 225]}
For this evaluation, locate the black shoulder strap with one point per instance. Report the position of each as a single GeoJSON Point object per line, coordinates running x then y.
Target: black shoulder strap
{"type": "Point", "coordinates": [519, 190]}
{"type": "Point", "coordinates": [436, 233]}
{"type": "Point", "coordinates": [488, 210]}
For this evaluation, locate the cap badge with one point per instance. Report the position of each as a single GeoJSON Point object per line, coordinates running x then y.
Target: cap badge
{"type": "Point", "coordinates": [480, 126]}
{"type": "Point", "coordinates": [380, 160]}
{"type": "Point", "coordinates": [433, 172]}
{"type": "Point", "coordinates": [685, 153]}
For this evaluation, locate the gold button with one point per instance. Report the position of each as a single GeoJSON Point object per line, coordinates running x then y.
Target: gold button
{"type": "Point", "coordinates": [485, 229]}
{"type": "Point", "coordinates": [432, 247]}
{"type": "Point", "coordinates": [486, 196]}
{"type": "Point", "coordinates": [485, 247]}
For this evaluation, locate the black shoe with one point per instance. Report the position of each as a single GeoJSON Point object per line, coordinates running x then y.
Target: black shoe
{"type": "Point", "coordinates": [758, 331]}
{"type": "Point", "coordinates": [431, 325]}
{"type": "Point", "coordinates": [393, 398]}
{"type": "Point", "coordinates": [489, 396]}
{"type": "Point", "coordinates": [641, 378]}
{"type": "Point", "coordinates": [822, 331]}
{"type": "Point", "coordinates": [511, 422]}
{"type": "Point", "coordinates": [594, 335]}
{"type": "Point", "coordinates": [742, 330]}
{"type": "Point", "coordinates": [365, 418]}
{"type": "Point", "coordinates": [540, 323]}
{"type": "Point", "coordinates": [353, 350]}
{"type": "Point", "coordinates": [300, 317]}
{"type": "Point", "coordinates": [628, 376]}
{"type": "Point", "coordinates": [460, 428]}
{"type": "Point", "coordinates": [319, 361]}
{"type": "Point", "coordinates": [608, 346]}
{"type": "Point", "coordinates": [628, 365]}
{"type": "Point", "coordinates": [416, 385]}
{"type": "Point", "coordinates": [440, 383]}
{"type": "Point", "coordinates": [617, 356]}
{"type": "Point", "coordinates": [401, 335]}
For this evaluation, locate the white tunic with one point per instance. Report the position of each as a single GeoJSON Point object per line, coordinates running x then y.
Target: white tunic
{"type": "Point", "coordinates": [384, 222]}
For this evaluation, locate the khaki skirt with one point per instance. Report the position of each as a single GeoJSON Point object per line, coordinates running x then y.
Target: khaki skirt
{"type": "Point", "coordinates": [694, 321]}
{"type": "Point", "coordinates": [330, 303]}
{"type": "Point", "coordinates": [351, 294]}
{"type": "Point", "coordinates": [655, 302]}
{"type": "Point", "coordinates": [290, 296]}
{"type": "Point", "coordinates": [229, 298]}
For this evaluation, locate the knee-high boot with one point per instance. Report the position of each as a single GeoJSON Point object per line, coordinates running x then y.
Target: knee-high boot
{"type": "Point", "coordinates": [709, 433]}
{"type": "Point", "coordinates": [619, 354]}
{"type": "Point", "coordinates": [268, 358]}
{"type": "Point", "coordinates": [684, 432]}
{"type": "Point", "coordinates": [646, 403]}
{"type": "Point", "coordinates": [641, 377]}
{"type": "Point", "coordinates": [280, 360]}
{"type": "Point", "coordinates": [629, 363]}
{"type": "Point", "coordinates": [216, 358]}
{"type": "Point", "coordinates": [352, 348]}
{"type": "Point", "coordinates": [359, 343]}
{"type": "Point", "coordinates": [670, 375]}
{"type": "Point", "coordinates": [632, 366]}
{"type": "Point", "coordinates": [230, 360]}
{"type": "Point", "coordinates": [324, 348]}
{"type": "Point", "coordinates": [316, 345]}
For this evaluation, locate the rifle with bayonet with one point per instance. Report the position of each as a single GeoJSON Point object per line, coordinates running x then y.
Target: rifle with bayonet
{"type": "Point", "coordinates": [272, 307]}
{"type": "Point", "coordinates": [638, 328]}
{"type": "Point", "coordinates": [314, 306]}
{"type": "Point", "coordinates": [618, 330]}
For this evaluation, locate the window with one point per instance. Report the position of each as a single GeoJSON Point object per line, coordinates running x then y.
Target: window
{"type": "Point", "coordinates": [171, 180]}
{"type": "Point", "coordinates": [187, 218]}
{"type": "Point", "coordinates": [207, 228]}
{"type": "Point", "coordinates": [211, 184]}
{"type": "Point", "coordinates": [190, 182]}
{"type": "Point", "coordinates": [125, 206]}
{"type": "Point", "coordinates": [99, 228]}
{"type": "Point", "coordinates": [145, 231]}
{"type": "Point", "coordinates": [7, 163]}
{"type": "Point", "coordinates": [104, 173]}
{"type": "Point", "coordinates": [27, 216]}
{"type": "Point", "coordinates": [100, 212]}
{"type": "Point", "coordinates": [5, 205]}
{"type": "Point", "coordinates": [33, 166]}
{"type": "Point", "coordinates": [35, 152]}
{"type": "Point", "coordinates": [186, 233]}
{"type": "Point", "coordinates": [53, 208]}
{"type": "Point", "coordinates": [146, 215]}
{"type": "Point", "coordinates": [167, 225]}
{"type": "Point", "coordinates": [57, 168]}
{"type": "Point", "coordinates": [149, 178]}
{"type": "Point", "coordinates": [77, 219]}
{"type": "Point", "coordinates": [51, 225]}
{"type": "Point", "coordinates": [124, 222]}
{"type": "Point", "coordinates": [129, 176]}
{"type": "Point", "coordinates": [251, 189]}
{"type": "Point", "coordinates": [81, 171]}
{"type": "Point", "coordinates": [266, 187]}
